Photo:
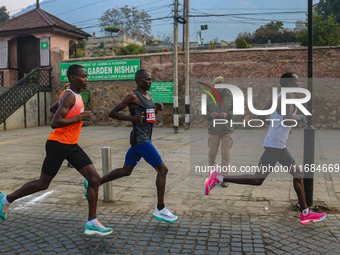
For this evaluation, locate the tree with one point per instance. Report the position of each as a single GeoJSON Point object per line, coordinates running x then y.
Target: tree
{"type": "Point", "coordinates": [131, 20]}
{"type": "Point", "coordinates": [4, 14]}
{"type": "Point", "coordinates": [249, 37]}
{"type": "Point", "coordinates": [80, 49]}
{"type": "Point", "coordinates": [131, 49]}
{"type": "Point", "coordinates": [271, 26]}
{"type": "Point", "coordinates": [325, 32]}
{"type": "Point", "coordinates": [241, 43]}
{"type": "Point", "coordinates": [272, 31]}
{"type": "Point", "coordinates": [327, 7]}
{"type": "Point", "coordinates": [112, 29]}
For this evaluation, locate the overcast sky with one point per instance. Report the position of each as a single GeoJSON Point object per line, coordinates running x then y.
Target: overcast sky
{"type": "Point", "coordinates": [224, 28]}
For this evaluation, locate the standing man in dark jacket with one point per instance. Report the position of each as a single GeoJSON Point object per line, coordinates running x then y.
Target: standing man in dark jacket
{"type": "Point", "coordinates": [220, 133]}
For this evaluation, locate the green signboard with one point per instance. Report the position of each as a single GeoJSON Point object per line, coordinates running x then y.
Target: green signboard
{"type": "Point", "coordinates": [44, 45]}
{"type": "Point", "coordinates": [162, 92]}
{"type": "Point", "coordinates": [119, 69]}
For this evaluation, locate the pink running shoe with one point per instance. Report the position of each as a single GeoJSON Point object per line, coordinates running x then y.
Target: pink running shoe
{"type": "Point", "coordinates": [211, 182]}
{"type": "Point", "coordinates": [305, 219]}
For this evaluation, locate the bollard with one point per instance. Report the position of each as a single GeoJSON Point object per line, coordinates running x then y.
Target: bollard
{"type": "Point", "coordinates": [106, 162]}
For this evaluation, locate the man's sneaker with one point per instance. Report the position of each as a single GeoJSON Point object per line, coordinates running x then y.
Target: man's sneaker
{"type": "Point", "coordinates": [97, 229]}
{"type": "Point", "coordinates": [311, 216]}
{"type": "Point", "coordinates": [211, 182]}
{"type": "Point", "coordinates": [164, 215]}
{"type": "Point", "coordinates": [85, 186]}
{"type": "Point", "coordinates": [3, 208]}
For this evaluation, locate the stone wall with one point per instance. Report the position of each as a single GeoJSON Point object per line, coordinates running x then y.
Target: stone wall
{"type": "Point", "coordinates": [115, 42]}
{"type": "Point", "coordinates": [235, 65]}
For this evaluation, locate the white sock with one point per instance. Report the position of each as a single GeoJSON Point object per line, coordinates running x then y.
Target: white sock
{"type": "Point", "coordinates": [92, 222]}
{"type": "Point", "coordinates": [220, 178]}
{"type": "Point", "coordinates": [305, 212]}
{"type": "Point", "coordinates": [5, 201]}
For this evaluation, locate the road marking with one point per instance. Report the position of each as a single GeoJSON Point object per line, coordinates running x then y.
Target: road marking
{"type": "Point", "coordinates": [13, 141]}
{"type": "Point", "coordinates": [33, 201]}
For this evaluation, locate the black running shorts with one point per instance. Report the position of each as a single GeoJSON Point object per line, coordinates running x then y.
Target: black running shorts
{"type": "Point", "coordinates": [57, 152]}
{"type": "Point", "coordinates": [272, 155]}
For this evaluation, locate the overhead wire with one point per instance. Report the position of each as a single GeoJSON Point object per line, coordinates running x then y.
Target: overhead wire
{"type": "Point", "coordinates": [195, 13]}
{"type": "Point", "coordinates": [150, 10]}
{"type": "Point", "coordinates": [234, 9]}
{"type": "Point", "coordinates": [42, 3]}
{"type": "Point", "coordinates": [147, 4]}
{"type": "Point", "coordinates": [242, 16]}
{"type": "Point", "coordinates": [158, 8]}
{"type": "Point", "coordinates": [239, 14]}
{"type": "Point", "coordinates": [226, 17]}
{"type": "Point", "coordinates": [81, 7]}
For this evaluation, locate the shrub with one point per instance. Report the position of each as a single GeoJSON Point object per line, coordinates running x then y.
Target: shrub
{"type": "Point", "coordinates": [80, 54]}
{"type": "Point", "coordinates": [131, 49]}
{"type": "Point", "coordinates": [97, 54]}
{"type": "Point", "coordinates": [112, 29]}
{"type": "Point", "coordinates": [242, 43]}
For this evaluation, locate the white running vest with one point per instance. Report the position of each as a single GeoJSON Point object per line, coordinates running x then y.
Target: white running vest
{"type": "Point", "coordinates": [277, 135]}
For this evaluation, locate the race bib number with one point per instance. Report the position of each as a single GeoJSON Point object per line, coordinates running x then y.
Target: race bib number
{"type": "Point", "coordinates": [150, 115]}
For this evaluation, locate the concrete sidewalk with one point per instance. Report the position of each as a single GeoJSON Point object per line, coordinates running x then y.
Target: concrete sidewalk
{"type": "Point", "coordinates": [237, 219]}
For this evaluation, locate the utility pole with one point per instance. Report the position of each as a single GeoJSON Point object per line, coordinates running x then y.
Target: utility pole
{"type": "Point", "coordinates": [187, 67]}
{"type": "Point", "coordinates": [184, 25]}
{"type": "Point", "coordinates": [175, 68]}
{"type": "Point", "coordinates": [309, 131]}
{"type": "Point", "coordinates": [37, 5]}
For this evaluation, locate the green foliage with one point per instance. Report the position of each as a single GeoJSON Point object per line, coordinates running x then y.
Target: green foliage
{"type": "Point", "coordinates": [80, 53]}
{"type": "Point", "coordinates": [241, 43]}
{"type": "Point", "coordinates": [131, 49]}
{"type": "Point", "coordinates": [271, 26]}
{"type": "Point", "coordinates": [101, 45]}
{"type": "Point", "coordinates": [327, 7]}
{"type": "Point", "coordinates": [273, 32]}
{"type": "Point", "coordinates": [112, 29]}
{"type": "Point", "coordinates": [97, 54]}
{"type": "Point", "coordinates": [130, 20]}
{"type": "Point", "coordinates": [31, 77]}
{"type": "Point", "coordinates": [156, 41]}
{"type": "Point", "coordinates": [4, 14]}
{"type": "Point", "coordinates": [325, 32]}
{"type": "Point", "coordinates": [81, 44]}
{"type": "Point", "coordinates": [80, 49]}
{"type": "Point", "coordinates": [212, 45]}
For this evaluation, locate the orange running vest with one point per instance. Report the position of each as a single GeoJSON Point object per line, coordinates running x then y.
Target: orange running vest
{"type": "Point", "coordinates": [69, 134]}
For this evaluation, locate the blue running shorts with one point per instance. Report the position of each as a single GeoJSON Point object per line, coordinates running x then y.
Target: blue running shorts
{"type": "Point", "coordinates": [145, 150]}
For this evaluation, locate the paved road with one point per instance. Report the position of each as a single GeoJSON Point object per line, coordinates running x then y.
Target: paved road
{"type": "Point", "coordinates": [233, 220]}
